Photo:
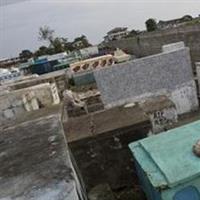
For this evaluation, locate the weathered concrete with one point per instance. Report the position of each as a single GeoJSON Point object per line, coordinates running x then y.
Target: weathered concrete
{"type": "Point", "coordinates": [35, 162]}
{"type": "Point", "coordinates": [92, 64]}
{"type": "Point", "coordinates": [58, 78]}
{"type": "Point", "coordinates": [161, 112]}
{"type": "Point", "coordinates": [97, 123]}
{"type": "Point", "coordinates": [17, 102]}
{"type": "Point", "coordinates": [101, 192]}
{"type": "Point", "coordinates": [198, 77]}
{"type": "Point", "coordinates": [173, 47]}
{"type": "Point", "coordinates": [167, 73]}
{"type": "Point", "coordinates": [99, 144]}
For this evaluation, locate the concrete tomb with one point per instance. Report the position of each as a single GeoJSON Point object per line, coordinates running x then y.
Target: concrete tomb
{"type": "Point", "coordinates": [168, 73]}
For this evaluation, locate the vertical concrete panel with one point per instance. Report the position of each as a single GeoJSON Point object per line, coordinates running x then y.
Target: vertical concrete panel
{"type": "Point", "coordinates": [168, 72]}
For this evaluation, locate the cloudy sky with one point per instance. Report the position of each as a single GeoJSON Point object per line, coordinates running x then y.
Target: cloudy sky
{"type": "Point", "coordinates": [21, 19]}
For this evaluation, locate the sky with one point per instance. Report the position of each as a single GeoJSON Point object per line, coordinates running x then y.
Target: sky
{"type": "Point", "coordinates": [20, 19]}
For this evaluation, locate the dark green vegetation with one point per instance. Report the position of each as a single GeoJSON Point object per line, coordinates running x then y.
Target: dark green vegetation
{"type": "Point", "coordinates": [151, 25]}
{"type": "Point", "coordinates": [55, 44]}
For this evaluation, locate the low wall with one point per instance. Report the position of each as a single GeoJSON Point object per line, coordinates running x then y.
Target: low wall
{"type": "Point", "coordinates": [57, 77]}
{"type": "Point", "coordinates": [167, 73]}
{"type": "Point", "coordinates": [152, 42]}
{"type": "Point", "coordinates": [17, 102]}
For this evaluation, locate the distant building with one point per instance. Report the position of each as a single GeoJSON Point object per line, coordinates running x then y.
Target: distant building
{"type": "Point", "coordinates": [92, 63]}
{"type": "Point", "coordinates": [116, 34]}
{"type": "Point", "coordinates": [8, 75]}
{"type": "Point", "coordinates": [168, 165]}
{"type": "Point", "coordinates": [47, 63]}
{"type": "Point", "coordinates": [174, 22]}
{"type": "Point", "coordinates": [9, 62]}
{"type": "Point", "coordinates": [120, 56]}
{"type": "Point", "coordinates": [89, 52]}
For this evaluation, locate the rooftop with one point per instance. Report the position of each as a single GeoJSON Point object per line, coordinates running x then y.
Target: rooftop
{"type": "Point", "coordinates": [163, 155]}
{"type": "Point", "coordinates": [35, 162]}
{"type": "Point", "coordinates": [117, 29]}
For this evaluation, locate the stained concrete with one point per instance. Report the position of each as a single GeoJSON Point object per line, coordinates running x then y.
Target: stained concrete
{"type": "Point", "coordinates": [169, 73]}
{"type": "Point", "coordinates": [99, 143]}
{"type": "Point", "coordinates": [35, 162]}
{"type": "Point", "coordinates": [17, 102]}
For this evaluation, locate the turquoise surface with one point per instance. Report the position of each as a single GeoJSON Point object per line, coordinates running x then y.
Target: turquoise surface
{"type": "Point", "coordinates": [167, 159]}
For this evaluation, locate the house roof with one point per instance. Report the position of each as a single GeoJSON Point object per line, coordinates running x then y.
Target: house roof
{"type": "Point", "coordinates": [167, 158]}
{"type": "Point", "coordinates": [117, 29]}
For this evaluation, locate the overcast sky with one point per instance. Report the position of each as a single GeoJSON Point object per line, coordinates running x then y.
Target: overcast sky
{"type": "Point", "coordinates": [21, 19]}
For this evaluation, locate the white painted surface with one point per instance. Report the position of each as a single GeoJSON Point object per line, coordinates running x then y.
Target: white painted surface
{"type": "Point", "coordinates": [185, 98]}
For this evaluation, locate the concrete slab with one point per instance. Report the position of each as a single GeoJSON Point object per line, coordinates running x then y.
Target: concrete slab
{"type": "Point", "coordinates": [35, 162]}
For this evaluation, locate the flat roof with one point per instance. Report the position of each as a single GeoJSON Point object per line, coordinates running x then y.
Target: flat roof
{"type": "Point", "coordinates": [35, 162]}
{"type": "Point", "coordinates": [167, 158]}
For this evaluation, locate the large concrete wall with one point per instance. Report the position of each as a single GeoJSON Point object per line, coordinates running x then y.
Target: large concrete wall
{"type": "Point", "coordinates": [151, 43]}
{"type": "Point", "coordinates": [167, 73]}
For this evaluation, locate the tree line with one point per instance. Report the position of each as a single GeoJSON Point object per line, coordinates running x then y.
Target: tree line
{"type": "Point", "coordinates": [54, 44]}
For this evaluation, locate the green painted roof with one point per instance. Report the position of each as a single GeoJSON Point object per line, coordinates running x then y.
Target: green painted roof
{"type": "Point", "coordinates": [167, 158]}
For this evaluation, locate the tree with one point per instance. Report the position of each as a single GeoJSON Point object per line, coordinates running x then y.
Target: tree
{"type": "Point", "coordinates": [151, 25]}
{"type": "Point", "coordinates": [25, 54]}
{"type": "Point", "coordinates": [43, 50]}
{"type": "Point", "coordinates": [46, 34]}
{"type": "Point", "coordinates": [133, 33]}
{"type": "Point", "coordinates": [83, 42]}
{"type": "Point", "coordinates": [59, 44]}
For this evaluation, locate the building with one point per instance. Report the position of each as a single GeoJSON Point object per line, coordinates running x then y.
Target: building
{"type": "Point", "coordinates": [9, 62]}
{"type": "Point", "coordinates": [89, 52]}
{"type": "Point", "coordinates": [116, 34]}
{"type": "Point", "coordinates": [9, 75]}
{"type": "Point", "coordinates": [92, 63]}
{"type": "Point", "coordinates": [82, 71]}
{"type": "Point", "coordinates": [49, 63]}
{"type": "Point", "coordinates": [174, 23]}
{"type": "Point", "coordinates": [167, 166]}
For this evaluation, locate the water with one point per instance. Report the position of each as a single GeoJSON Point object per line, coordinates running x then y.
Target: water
{"type": "Point", "coordinates": [20, 19]}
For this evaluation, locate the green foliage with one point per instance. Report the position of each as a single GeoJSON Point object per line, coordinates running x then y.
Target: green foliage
{"type": "Point", "coordinates": [193, 22]}
{"type": "Point", "coordinates": [25, 54]}
{"type": "Point", "coordinates": [46, 34]}
{"type": "Point", "coordinates": [133, 33]}
{"type": "Point", "coordinates": [83, 42]}
{"type": "Point", "coordinates": [151, 25]}
{"type": "Point", "coordinates": [58, 44]}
